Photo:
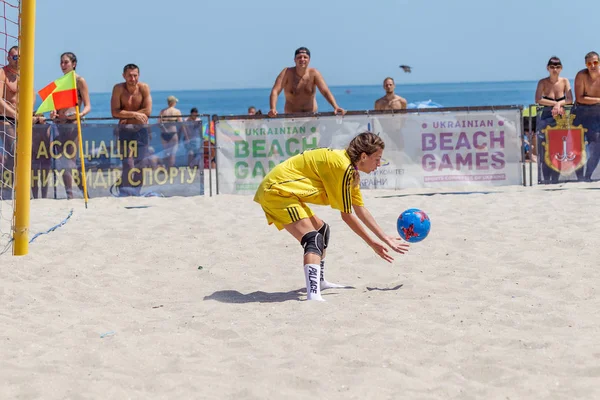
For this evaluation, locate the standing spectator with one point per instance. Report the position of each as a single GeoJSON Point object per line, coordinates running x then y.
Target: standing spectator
{"type": "Point", "coordinates": [299, 84]}
{"type": "Point", "coordinates": [170, 123]}
{"type": "Point", "coordinates": [552, 92]}
{"type": "Point", "coordinates": [391, 101]}
{"type": "Point", "coordinates": [9, 99]}
{"type": "Point", "coordinates": [66, 120]}
{"type": "Point", "coordinates": [131, 103]}
{"type": "Point", "coordinates": [194, 142]}
{"type": "Point", "coordinates": [587, 110]}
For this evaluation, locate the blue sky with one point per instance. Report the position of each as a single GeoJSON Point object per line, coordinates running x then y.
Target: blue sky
{"type": "Point", "coordinates": [196, 44]}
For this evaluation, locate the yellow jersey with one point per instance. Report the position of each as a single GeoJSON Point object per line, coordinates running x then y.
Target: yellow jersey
{"type": "Point", "coordinates": [318, 176]}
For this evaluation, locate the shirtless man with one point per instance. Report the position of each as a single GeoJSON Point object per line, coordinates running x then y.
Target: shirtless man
{"type": "Point", "coordinates": [9, 99]}
{"type": "Point", "coordinates": [587, 81]}
{"type": "Point", "coordinates": [587, 110]}
{"type": "Point", "coordinates": [390, 101]}
{"type": "Point", "coordinates": [170, 124]}
{"type": "Point", "coordinates": [299, 85]}
{"type": "Point", "coordinates": [131, 103]}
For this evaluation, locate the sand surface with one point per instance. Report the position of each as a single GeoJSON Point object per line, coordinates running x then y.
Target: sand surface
{"type": "Point", "coordinates": [196, 297]}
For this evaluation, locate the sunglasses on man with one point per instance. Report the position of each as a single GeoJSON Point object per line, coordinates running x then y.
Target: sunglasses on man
{"type": "Point", "coordinates": [15, 57]}
{"type": "Point", "coordinates": [592, 63]}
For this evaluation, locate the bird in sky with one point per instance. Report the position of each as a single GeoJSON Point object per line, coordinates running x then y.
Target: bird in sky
{"type": "Point", "coordinates": [406, 68]}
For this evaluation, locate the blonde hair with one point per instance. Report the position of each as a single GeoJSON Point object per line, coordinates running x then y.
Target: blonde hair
{"type": "Point", "coordinates": [365, 142]}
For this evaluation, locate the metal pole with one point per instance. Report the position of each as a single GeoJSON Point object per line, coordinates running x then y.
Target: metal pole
{"type": "Point", "coordinates": [216, 163]}
{"type": "Point", "coordinates": [209, 158]}
{"type": "Point", "coordinates": [533, 136]}
{"type": "Point", "coordinates": [24, 127]}
{"type": "Point", "coordinates": [523, 160]}
{"type": "Point", "coordinates": [54, 174]}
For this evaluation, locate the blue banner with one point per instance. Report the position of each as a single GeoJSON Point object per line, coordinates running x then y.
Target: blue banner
{"type": "Point", "coordinates": [568, 145]}
{"type": "Point", "coordinates": [165, 159]}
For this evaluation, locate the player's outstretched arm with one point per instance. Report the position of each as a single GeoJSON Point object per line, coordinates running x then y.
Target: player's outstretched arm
{"type": "Point", "coordinates": [395, 242]}
{"type": "Point", "coordinates": [357, 227]}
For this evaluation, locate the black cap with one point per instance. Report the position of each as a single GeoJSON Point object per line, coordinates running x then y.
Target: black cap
{"type": "Point", "coordinates": [301, 50]}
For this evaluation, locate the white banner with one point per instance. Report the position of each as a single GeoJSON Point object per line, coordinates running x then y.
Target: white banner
{"type": "Point", "coordinates": [422, 150]}
{"type": "Point", "coordinates": [448, 149]}
{"type": "Point", "coordinates": [248, 149]}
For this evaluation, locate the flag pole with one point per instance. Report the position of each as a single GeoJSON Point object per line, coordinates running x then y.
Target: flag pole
{"type": "Point", "coordinates": [83, 178]}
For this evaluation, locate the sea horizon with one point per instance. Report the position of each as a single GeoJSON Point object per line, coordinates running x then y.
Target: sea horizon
{"type": "Point", "coordinates": [350, 97]}
{"type": "Point", "coordinates": [398, 84]}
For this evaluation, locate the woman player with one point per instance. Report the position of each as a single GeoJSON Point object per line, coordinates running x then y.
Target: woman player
{"type": "Point", "coordinates": [326, 177]}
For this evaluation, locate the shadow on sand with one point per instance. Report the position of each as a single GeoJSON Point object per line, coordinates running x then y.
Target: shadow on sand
{"type": "Point", "coordinates": [233, 296]}
{"type": "Point", "coordinates": [433, 194]}
{"type": "Point", "coordinates": [385, 289]}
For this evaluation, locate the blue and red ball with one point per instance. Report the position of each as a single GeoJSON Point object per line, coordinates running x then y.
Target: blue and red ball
{"type": "Point", "coordinates": [413, 225]}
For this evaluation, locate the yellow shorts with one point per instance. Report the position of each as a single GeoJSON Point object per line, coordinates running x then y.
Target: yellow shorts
{"type": "Point", "coordinates": [282, 210]}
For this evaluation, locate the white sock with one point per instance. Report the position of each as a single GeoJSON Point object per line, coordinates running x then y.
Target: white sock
{"type": "Point", "coordinates": [313, 290]}
{"type": "Point", "coordinates": [327, 285]}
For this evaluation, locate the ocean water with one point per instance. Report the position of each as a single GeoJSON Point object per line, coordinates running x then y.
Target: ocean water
{"type": "Point", "coordinates": [237, 101]}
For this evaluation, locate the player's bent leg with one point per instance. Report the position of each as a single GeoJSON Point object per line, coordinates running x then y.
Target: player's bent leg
{"type": "Point", "coordinates": [324, 229]}
{"type": "Point", "coordinates": [299, 228]}
{"type": "Point", "coordinates": [312, 242]}
{"type": "Point", "coordinates": [316, 222]}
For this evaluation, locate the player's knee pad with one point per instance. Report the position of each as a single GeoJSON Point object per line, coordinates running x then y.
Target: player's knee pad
{"type": "Point", "coordinates": [312, 242]}
{"type": "Point", "coordinates": [324, 230]}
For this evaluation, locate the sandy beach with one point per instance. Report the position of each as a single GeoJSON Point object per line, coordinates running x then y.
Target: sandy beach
{"type": "Point", "coordinates": [196, 297]}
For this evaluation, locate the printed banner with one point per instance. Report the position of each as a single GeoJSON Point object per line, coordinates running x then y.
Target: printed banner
{"type": "Point", "coordinates": [422, 150]}
{"type": "Point", "coordinates": [248, 149]}
{"type": "Point", "coordinates": [448, 149]}
{"type": "Point", "coordinates": [121, 160]}
{"type": "Point", "coordinates": [569, 145]}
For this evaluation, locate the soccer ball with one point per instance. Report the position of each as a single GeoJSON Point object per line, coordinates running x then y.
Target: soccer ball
{"type": "Point", "coordinates": [413, 225]}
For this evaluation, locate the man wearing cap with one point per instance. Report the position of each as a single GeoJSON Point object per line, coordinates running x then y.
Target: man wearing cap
{"type": "Point", "coordinates": [299, 86]}
{"type": "Point", "coordinates": [170, 124]}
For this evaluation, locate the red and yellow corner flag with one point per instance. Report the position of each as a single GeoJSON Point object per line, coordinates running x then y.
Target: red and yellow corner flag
{"type": "Point", "coordinates": [62, 93]}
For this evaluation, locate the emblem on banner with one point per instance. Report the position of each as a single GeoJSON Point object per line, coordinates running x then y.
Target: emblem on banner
{"type": "Point", "coordinates": [565, 145]}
